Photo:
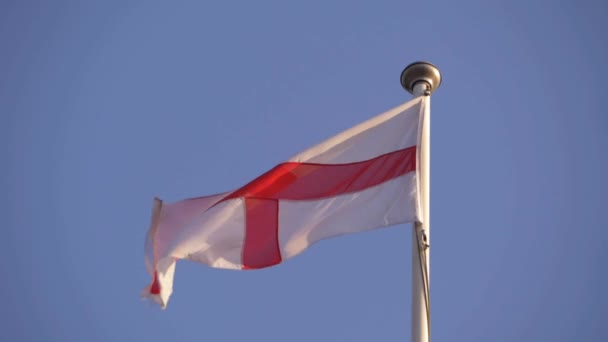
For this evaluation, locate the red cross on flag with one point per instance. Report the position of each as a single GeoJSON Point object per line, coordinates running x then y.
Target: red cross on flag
{"type": "Point", "coordinates": [361, 179]}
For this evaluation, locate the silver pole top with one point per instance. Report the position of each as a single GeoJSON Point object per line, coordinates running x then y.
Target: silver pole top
{"type": "Point", "coordinates": [421, 72]}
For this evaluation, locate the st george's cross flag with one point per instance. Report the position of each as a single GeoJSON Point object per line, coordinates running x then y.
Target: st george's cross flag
{"type": "Point", "coordinates": [361, 179]}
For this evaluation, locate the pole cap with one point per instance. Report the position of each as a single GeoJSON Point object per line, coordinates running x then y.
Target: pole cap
{"type": "Point", "coordinates": [420, 72]}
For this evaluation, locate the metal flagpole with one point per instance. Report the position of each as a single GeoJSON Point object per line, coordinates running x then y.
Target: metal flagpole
{"type": "Point", "coordinates": [421, 79]}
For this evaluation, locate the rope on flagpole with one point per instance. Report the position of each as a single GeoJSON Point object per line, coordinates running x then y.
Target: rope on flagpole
{"type": "Point", "coordinates": [422, 246]}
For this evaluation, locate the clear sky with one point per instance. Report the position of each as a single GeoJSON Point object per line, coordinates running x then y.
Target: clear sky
{"type": "Point", "coordinates": [106, 104]}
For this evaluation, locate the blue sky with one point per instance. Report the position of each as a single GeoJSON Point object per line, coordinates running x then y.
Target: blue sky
{"type": "Point", "coordinates": [106, 104]}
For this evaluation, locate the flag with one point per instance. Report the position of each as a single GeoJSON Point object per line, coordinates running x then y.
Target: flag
{"type": "Point", "coordinates": [361, 179]}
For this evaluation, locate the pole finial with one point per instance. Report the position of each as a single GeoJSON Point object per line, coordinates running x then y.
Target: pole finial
{"type": "Point", "coordinates": [421, 72]}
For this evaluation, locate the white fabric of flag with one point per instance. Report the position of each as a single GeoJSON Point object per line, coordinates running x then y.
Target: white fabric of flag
{"type": "Point", "coordinates": [361, 179]}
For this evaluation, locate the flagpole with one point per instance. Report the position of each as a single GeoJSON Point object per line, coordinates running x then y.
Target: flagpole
{"type": "Point", "coordinates": [421, 79]}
